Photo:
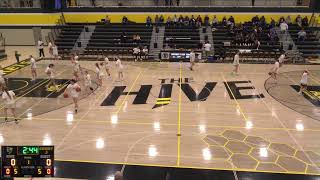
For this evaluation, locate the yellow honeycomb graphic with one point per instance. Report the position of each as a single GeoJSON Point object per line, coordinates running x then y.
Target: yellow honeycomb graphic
{"type": "Point", "coordinates": [253, 153]}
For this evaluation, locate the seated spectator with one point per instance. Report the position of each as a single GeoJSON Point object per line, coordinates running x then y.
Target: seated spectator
{"type": "Point", "coordinates": [263, 21]}
{"type": "Point", "coordinates": [255, 20]}
{"type": "Point", "coordinates": [145, 52]}
{"type": "Point", "coordinates": [305, 21]}
{"type": "Point", "coordinates": [134, 39]}
{"type": "Point", "coordinates": [138, 39]}
{"type": "Point", "coordinates": [149, 21]}
{"type": "Point", "coordinates": [231, 19]}
{"type": "Point", "coordinates": [272, 23]}
{"type": "Point", "coordinates": [180, 20]}
{"type": "Point", "coordinates": [224, 21]}
{"type": "Point", "coordinates": [136, 53]}
{"type": "Point", "coordinates": [283, 27]}
{"type": "Point", "coordinates": [288, 19]}
{"type": "Point", "coordinates": [214, 21]}
{"type": "Point", "coordinates": [169, 21]}
{"type": "Point", "coordinates": [186, 20]}
{"type": "Point", "coordinates": [302, 35]}
{"type": "Point", "coordinates": [281, 20]}
{"type": "Point", "coordinates": [299, 20]}
{"type": "Point", "coordinates": [199, 21]}
{"type": "Point", "coordinates": [124, 20]}
{"type": "Point", "coordinates": [107, 20]}
{"type": "Point", "coordinates": [123, 37]}
{"type": "Point", "coordinates": [206, 20]}
{"type": "Point", "coordinates": [257, 44]}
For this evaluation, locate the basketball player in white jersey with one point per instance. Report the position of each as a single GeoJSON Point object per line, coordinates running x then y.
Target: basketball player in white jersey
{"type": "Point", "coordinates": [275, 70]}
{"type": "Point", "coordinates": [2, 80]}
{"type": "Point", "coordinates": [50, 73]}
{"type": "Point", "coordinates": [107, 65]}
{"type": "Point", "coordinates": [33, 68]}
{"type": "Point", "coordinates": [76, 69]}
{"type": "Point", "coordinates": [303, 81]}
{"type": "Point", "coordinates": [120, 68]}
{"type": "Point", "coordinates": [99, 74]}
{"type": "Point", "coordinates": [73, 90]}
{"type": "Point", "coordinates": [236, 63]}
{"type": "Point", "coordinates": [192, 59]}
{"type": "Point", "coordinates": [9, 103]}
{"type": "Point", "coordinates": [88, 83]}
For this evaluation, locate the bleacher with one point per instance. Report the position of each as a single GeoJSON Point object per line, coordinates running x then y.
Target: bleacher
{"type": "Point", "coordinates": [68, 36]}
{"type": "Point", "coordinates": [106, 39]}
{"type": "Point", "coordinates": [310, 47]}
{"type": "Point", "coordinates": [186, 37]}
{"type": "Point", "coordinates": [225, 46]}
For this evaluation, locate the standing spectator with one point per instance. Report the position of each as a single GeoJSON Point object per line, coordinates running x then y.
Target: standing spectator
{"type": "Point", "coordinates": [199, 21]}
{"type": "Point", "coordinates": [17, 55]}
{"type": "Point", "coordinates": [272, 23]}
{"type": "Point", "coordinates": [224, 21]}
{"type": "Point", "coordinates": [156, 2]}
{"type": "Point", "coordinates": [40, 48]}
{"type": "Point", "coordinates": [178, 2]}
{"type": "Point", "coordinates": [171, 2]}
{"type": "Point", "coordinates": [149, 21]}
{"type": "Point", "coordinates": [283, 27]}
{"type": "Point", "coordinates": [156, 20]}
{"type": "Point", "coordinates": [161, 19]}
{"type": "Point", "coordinates": [214, 21]}
{"type": "Point", "coordinates": [175, 20]}
{"type": "Point", "coordinates": [231, 19]}
{"type": "Point", "coordinates": [206, 20]}
{"type": "Point", "coordinates": [305, 21]}
{"type": "Point", "coordinates": [252, 1]}
{"type": "Point", "coordinates": [288, 19]}
{"type": "Point", "coordinates": [299, 20]}
{"type": "Point", "coordinates": [93, 3]}
{"type": "Point", "coordinates": [207, 48]}
{"type": "Point", "coordinates": [169, 21]}
{"type": "Point", "coordinates": [192, 21]}
{"type": "Point", "coordinates": [302, 35]}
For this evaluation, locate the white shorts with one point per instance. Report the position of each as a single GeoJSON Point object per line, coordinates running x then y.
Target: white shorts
{"type": "Point", "coordinates": [10, 106]}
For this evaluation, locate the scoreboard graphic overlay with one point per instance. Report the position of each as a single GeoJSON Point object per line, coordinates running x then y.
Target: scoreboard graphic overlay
{"type": "Point", "coordinates": [27, 161]}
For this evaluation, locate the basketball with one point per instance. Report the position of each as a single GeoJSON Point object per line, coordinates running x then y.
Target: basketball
{"type": "Point", "coordinates": [65, 95]}
{"type": "Point", "coordinates": [78, 89]}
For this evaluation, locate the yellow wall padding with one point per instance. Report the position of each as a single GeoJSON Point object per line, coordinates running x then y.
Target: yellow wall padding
{"type": "Point", "coordinates": [52, 18]}
{"type": "Point", "coordinates": [29, 18]}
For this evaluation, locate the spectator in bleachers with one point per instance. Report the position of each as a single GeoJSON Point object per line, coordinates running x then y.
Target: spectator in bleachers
{"type": "Point", "coordinates": [156, 2]}
{"type": "Point", "coordinates": [272, 35]}
{"type": "Point", "coordinates": [206, 20]}
{"type": "Point", "coordinates": [199, 21]}
{"type": "Point", "coordinates": [283, 27]}
{"type": "Point", "coordinates": [207, 49]}
{"type": "Point", "coordinates": [107, 20]}
{"type": "Point", "coordinates": [175, 20]}
{"type": "Point", "coordinates": [180, 20]}
{"type": "Point", "coordinates": [305, 21]}
{"type": "Point", "coordinates": [272, 23]}
{"type": "Point", "coordinates": [169, 21]}
{"type": "Point", "coordinates": [167, 2]}
{"type": "Point", "coordinates": [281, 20]}
{"type": "Point", "coordinates": [148, 21]}
{"type": "Point", "coordinates": [136, 53]}
{"type": "Point", "coordinates": [288, 19]}
{"type": "Point", "coordinates": [186, 20]}
{"type": "Point", "coordinates": [224, 21]}
{"type": "Point", "coordinates": [161, 19]}
{"type": "Point", "coordinates": [263, 21]}
{"type": "Point", "coordinates": [214, 21]}
{"type": "Point", "coordinates": [299, 20]}
{"type": "Point", "coordinates": [157, 20]}
{"type": "Point", "coordinates": [255, 20]}
{"type": "Point", "coordinates": [138, 39]}
{"type": "Point", "coordinates": [192, 21]}
{"type": "Point", "coordinates": [178, 2]}
{"type": "Point", "coordinates": [124, 20]}
{"type": "Point", "coordinates": [145, 52]}
{"type": "Point", "coordinates": [302, 35]}
{"type": "Point", "coordinates": [123, 37]}
{"type": "Point", "coordinates": [257, 44]}
{"type": "Point", "coordinates": [231, 19]}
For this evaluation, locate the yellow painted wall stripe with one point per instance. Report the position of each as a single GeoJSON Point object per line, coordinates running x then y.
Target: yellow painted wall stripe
{"type": "Point", "coordinates": [77, 17]}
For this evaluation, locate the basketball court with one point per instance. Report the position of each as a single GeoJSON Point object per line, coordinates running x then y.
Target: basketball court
{"type": "Point", "coordinates": [162, 114]}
